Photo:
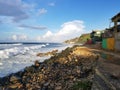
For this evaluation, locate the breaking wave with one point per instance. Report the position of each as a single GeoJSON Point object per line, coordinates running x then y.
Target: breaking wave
{"type": "Point", "coordinates": [15, 49]}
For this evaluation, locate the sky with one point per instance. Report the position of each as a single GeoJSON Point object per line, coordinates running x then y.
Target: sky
{"type": "Point", "coordinates": [53, 20]}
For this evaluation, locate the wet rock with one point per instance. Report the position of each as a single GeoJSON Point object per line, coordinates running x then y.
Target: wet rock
{"type": "Point", "coordinates": [14, 79]}
{"type": "Point", "coordinates": [52, 84]}
{"type": "Point", "coordinates": [52, 53]}
{"type": "Point", "coordinates": [44, 88]}
{"type": "Point", "coordinates": [58, 88]}
{"type": "Point", "coordinates": [4, 80]}
{"type": "Point", "coordinates": [41, 54]}
{"type": "Point", "coordinates": [46, 84]}
{"type": "Point", "coordinates": [38, 87]}
{"type": "Point", "coordinates": [28, 85]}
{"type": "Point", "coordinates": [16, 85]}
{"type": "Point", "coordinates": [37, 64]}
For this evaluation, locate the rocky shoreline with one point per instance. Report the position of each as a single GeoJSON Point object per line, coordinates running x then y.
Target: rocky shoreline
{"type": "Point", "coordinates": [72, 69]}
{"type": "Point", "coordinates": [51, 53]}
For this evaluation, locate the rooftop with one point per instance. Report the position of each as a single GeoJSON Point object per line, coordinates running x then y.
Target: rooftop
{"type": "Point", "coordinates": [116, 17]}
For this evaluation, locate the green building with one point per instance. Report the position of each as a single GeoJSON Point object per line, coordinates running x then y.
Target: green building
{"type": "Point", "coordinates": [96, 36]}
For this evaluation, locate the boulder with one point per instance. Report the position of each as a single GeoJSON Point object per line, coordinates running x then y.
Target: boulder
{"type": "Point", "coordinates": [37, 64]}
{"type": "Point", "coordinates": [14, 79]}
{"type": "Point", "coordinates": [16, 85]}
{"type": "Point", "coordinates": [51, 53]}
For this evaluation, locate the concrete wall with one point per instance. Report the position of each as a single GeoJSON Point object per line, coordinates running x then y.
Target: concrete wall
{"type": "Point", "coordinates": [117, 41]}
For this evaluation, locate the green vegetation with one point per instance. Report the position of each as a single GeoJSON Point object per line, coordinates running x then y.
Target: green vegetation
{"type": "Point", "coordinates": [82, 85]}
{"type": "Point", "coordinates": [82, 39]}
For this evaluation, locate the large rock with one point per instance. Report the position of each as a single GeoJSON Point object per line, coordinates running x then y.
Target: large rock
{"type": "Point", "coordinates": [37, 64]}
{"type": "Point", "coordinates": [51, 53]}
{"type": "Point", "coordinates": [14, 79]}
{"type": "Point", "coordinates": [16, 85]}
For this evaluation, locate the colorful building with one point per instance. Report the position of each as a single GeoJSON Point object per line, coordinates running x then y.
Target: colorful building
{"type": "Point", "coordinates": [111, 36]}
{"type": "Point", "coordinates": [116, 21]}
{"type": "Point", "coordinates": [96, 36]}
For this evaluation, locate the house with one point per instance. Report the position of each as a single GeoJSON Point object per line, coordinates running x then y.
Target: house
{"type": "Point", "coordinates": [96, 36]}
{"type": "Point", "coordinates": [116, 20]}
{"type": "Point", "coordinates": [108, 41]}
{"type": "Point", "coordinates": [111, 36]}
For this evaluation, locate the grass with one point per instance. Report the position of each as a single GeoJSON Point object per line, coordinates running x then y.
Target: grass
{"type": "Point", "coordinates": [82, 85]}
{"type": "Point", "coordinates": [83, 38]}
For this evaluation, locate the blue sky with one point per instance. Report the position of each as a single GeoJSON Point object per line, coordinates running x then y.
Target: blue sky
{"type": "Point", "coordinates": [53, 20]}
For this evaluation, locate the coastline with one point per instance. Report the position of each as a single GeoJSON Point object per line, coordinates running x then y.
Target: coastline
{"type": "Point", "coordinates": [15, 57]}
{"type": "Point", "coordinates": [66, 70]}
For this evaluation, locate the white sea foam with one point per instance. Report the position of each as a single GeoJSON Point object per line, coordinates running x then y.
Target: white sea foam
{"type": "Point", "coordinates": [6, 53]}
{"type": "Point", "coordinates": [47, 44]}
{"type": "Point", "coordinates": [1, 63]}
{"type": "Point", "coordinates": [16, 44]}
{"type": "Point", "coordinates": [16, 58]}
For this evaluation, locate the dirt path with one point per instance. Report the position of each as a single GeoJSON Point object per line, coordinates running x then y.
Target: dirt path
{"type": "Point", "coordinates": [108, 69]}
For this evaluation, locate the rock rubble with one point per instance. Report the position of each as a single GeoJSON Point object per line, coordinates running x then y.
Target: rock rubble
{"type": "Point", "coordinates": [52, 53]}
{"type": "Point", "coordinates": [72, 69]}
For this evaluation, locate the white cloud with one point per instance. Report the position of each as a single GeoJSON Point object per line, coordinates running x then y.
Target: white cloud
{"type": "Point", "coordinates": [42, 11]}
{"type": "Point", "coordinates": [17, 9]}
{"type": "Point", "coordinates": [14, 37]}
{"type": "Point", "coordinates": [33, 27]}
{"type": "Point", "coordinates": [68, 30]}
{"type": "Point", "coordinates": [48, 34]}
{"type": "Point", "coordinates": [19, 37]}
{"type": "Point", "coordinates": [51, 4]}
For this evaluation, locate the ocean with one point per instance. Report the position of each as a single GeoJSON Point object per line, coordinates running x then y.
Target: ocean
{"type": "Point", "coordinates": [16, 56]}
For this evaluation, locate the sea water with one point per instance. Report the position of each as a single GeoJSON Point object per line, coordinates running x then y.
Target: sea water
{"type": "Point", "coordinates": [16, 56]}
